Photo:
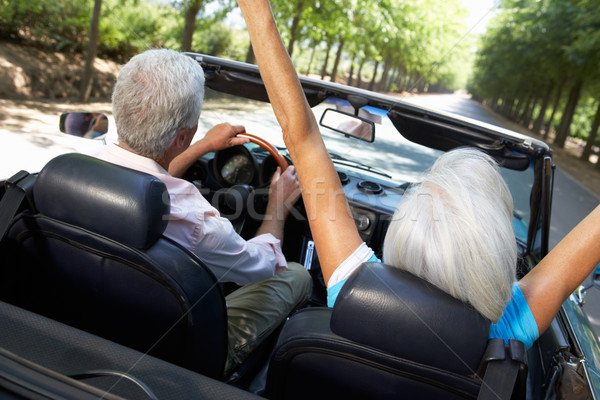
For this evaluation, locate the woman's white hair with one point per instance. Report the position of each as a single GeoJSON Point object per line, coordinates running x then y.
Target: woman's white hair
{"type": "Point", "coordinates": [157, 93]}
{"type": "Point", "coordinates": [454, 229]}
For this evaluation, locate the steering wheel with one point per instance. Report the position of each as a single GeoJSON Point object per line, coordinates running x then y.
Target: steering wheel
{"type": "Point", "coordinates": [281, 161]}
{"type": "Point", "coordinates": [234, 196]}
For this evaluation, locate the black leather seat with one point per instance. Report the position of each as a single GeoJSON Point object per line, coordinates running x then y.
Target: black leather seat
{"type": "Point", "coordinates": [93, 256]}
{"type": "Point", "coordinates": [390, 335]}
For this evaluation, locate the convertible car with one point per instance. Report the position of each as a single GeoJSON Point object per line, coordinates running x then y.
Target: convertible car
{"type": "Point", "coordinates": [96, 302]}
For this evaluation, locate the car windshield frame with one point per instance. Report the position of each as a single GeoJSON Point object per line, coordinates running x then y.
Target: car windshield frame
{"type": "Point", "coordinates": [432, 129]}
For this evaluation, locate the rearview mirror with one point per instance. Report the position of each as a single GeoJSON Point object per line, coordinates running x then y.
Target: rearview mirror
{"type": "Point", "coordinates": [348, 124]}
{"type": "Point", "coordinates": [83, 124]}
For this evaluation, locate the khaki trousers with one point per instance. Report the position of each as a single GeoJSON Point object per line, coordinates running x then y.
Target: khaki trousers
{"type": "Point", "coordinates": [255, 310]}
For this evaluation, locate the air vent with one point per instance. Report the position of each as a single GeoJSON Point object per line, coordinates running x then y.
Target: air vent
{"type": "Point", "coordinates": [343, 177]}
{"type": "Point", "coordinates": [369, 187]}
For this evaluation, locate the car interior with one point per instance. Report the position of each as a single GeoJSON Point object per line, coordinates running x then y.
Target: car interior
{"type": "Point", "coordinates": [87, 251]}
{"type": "Point", "coordinates": [95, 299]}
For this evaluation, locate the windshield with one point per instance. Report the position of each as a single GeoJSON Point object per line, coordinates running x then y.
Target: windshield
{"type": "Point", "coordinates": [403, 161]}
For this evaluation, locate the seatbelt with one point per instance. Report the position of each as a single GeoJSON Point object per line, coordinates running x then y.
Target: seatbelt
{"type": "Point", "coordinates": [503, 366]}
{"type": "Point", "coordinates": [18, 187]}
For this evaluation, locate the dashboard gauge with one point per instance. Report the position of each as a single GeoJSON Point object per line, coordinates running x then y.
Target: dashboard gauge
{"type": "Point", "coordinates": [238, 170]}
{"type": "Point", "coordinates": [369, 187]}
{"type": "Point", "coordinates": [235, 166]}
{"type": "Point", "coordinates": [344, 178]}
{"type": "Point", "coordinates": [196, 174]}
{"type": "Point", "coordinates": [363, 222]}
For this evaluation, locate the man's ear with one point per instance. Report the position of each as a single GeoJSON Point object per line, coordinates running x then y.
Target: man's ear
{"type": "Point", "coordinates": [185, 136]}
{"type": "Point", "coordinates": [181, 140]}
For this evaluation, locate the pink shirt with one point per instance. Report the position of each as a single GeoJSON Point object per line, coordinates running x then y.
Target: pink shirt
{"type": "Point", "coordinates": [195, 224]}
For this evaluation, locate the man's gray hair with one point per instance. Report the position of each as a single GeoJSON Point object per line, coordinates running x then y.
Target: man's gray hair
{"type": "Point", "coordinates": [157, 93]}
{"type": "Point", "coordinates": [454, 229]}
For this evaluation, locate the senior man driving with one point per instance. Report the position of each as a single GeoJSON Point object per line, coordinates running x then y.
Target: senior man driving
{"type": "Point", "coordinates": [156, 104]}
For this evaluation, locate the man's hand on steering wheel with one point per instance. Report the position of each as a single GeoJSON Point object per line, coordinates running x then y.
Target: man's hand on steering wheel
{"type": "Point", "coordinates": [224, 135]}
{"type": "Point", "coordinates": [283, 193]}
{"type": "Point", "coordinates": [219, 137]}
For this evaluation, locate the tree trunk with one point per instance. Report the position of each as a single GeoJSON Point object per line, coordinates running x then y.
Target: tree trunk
{"type": "Point", "coordinates": [507, 105]}
{"type": "Point", "coordinates": [522, 115]}
{"type": "Point", "coordinates": [392, 81]}
{"type": "Point", "coordinates": [412, 82]}
{"type": "Point", "coordinates": [294, 28]}
{"type": "Point", "coordinates": [529, 114]}
{"type": "Point", "coordinates": [565, 123]}
{"type": "Point", "coordinates": [324, 69]}
{"type": "Point", "coordinates": [88, 71]}
{"type": "Point", "coordinates": [386, 71]}
{"type": "Point", "coordinates": [250, 58]}
{"type": "Point", "coordinates": [401, 80]}
{"type": "Point", "coordinates": [514, 115]}
{"type": "Point", "coordinates": [497, 103]}
{"type": "Point", "coordinates": [359, 73]}
{"type": "Point", "coordinates": [537, 125]}
{"type": "Point", "coordinates": [336, 63]}
{"type": "Point", "coordinates": [190, 24]}
{"type": "Point", "coordinates": [372, 83]}
{"type": "Point", "coordinates": [312, 56]}
{"type": "Point", "coordinates": [587, 150]}
{"type": "Point", "coordinates": [349, 83]}
{"type": "Point", "coordinates": [554, 108]}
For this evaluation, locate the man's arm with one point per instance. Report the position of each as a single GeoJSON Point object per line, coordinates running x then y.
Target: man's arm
{"type": "Point", "coordinates": [218, 137]}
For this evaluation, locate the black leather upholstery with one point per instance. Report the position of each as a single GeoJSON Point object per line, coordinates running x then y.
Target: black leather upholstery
{"type": "Point", "coordinates": [390, 335]}
{"type": "Point", "coordinates": [103, 198]}
{"type": "Point", "coordinates": [443, 332]}
{"type": "Point", "coordinates": [94, 257]}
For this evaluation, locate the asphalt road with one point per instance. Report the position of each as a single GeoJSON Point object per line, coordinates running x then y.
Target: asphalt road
{"type": "Point", "coordinates": [571, 200]}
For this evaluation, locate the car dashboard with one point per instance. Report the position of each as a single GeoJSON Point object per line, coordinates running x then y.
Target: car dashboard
{"type": "Point", "coordinates": [236, 182]}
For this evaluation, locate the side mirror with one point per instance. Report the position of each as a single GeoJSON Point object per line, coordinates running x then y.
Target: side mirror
{"type": "Point", "coordinates": [348, 124]}
{"type": "Point", "coordinates": [581, 290]}
{"type": "Point", "coordinates": [83, 124]}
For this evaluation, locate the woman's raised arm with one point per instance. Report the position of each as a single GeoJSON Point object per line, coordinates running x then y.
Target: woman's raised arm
{"type": "Point", "coordinates": [553, 280]}
{"type": "Point", "coordinates": [330, 219]}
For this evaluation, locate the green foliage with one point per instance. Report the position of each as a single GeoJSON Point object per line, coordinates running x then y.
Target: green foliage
{"type": "Point", "coordinates": [582, 120]}
{"type": "Point", "coordinates": [419, 42]}
{"type": "Point", "coordinates": [58, 25]}
{"type": "Point", "coordinates": [214, 39]}
{"type": "Point", "coordinates": [415, 43]}
{"type": "Point", "coordinates": [533, 44]}
{"type": "Point", "coordinates": [130, 27]}
{"type": "Point", "coordinates": [212, 36]}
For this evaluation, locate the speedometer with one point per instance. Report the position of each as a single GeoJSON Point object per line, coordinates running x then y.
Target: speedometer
{"type": "Point", "coordinates": [238, 170]}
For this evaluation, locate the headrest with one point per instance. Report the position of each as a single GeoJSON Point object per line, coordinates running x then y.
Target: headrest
{"type": "Point", "coordinates": [125, 205]}
{"type": "Point", "coordinates": [396, 312]}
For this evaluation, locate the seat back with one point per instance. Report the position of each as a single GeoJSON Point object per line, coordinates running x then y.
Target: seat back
{"type": "Point", "coordinates": [93, 256]}
{"type": "Point", "coordinates": [390, 335]}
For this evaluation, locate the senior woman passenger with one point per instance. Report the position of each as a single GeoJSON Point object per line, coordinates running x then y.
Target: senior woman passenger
{"type": "Point", "coordinates": [453, 230]}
